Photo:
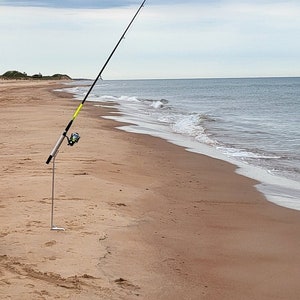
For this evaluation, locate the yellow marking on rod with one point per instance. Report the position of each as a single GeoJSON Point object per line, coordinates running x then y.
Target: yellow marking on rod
{"type": "Point", "coordinates": [77, 111]}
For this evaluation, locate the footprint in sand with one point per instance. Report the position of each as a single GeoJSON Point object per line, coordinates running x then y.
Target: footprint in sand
{"type": "Point", "coordinates": [50, 243]}
{"type": "Point", "coordinates": [125, 284]}
{"type": "Point", "coordinates": [51, 258]}
{"type": "Point", "coordinates": [33, 223]}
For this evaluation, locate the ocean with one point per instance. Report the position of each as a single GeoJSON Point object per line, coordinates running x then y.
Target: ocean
{"type": "Point", "coordinates": [253, 123]}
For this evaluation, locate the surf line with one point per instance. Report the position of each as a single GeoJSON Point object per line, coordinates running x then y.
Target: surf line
{"type": "Point", "coordinates": [75, 137]}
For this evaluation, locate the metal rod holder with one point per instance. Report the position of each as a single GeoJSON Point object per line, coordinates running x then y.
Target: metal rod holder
{"type": "Point", "coordinates": [54, 227]}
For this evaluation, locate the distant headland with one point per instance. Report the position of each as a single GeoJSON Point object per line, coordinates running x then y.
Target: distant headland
{"type": "Point", "coordinates": [16, 75]}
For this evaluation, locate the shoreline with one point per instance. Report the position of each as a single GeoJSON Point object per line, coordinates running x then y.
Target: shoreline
{"type": "Point", "coordinates": [138, 212]}
{"type": "Point", "coordinates": [282, 191]}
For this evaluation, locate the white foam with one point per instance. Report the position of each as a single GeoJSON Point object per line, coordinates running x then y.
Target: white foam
{"type": "Point", "coordinates": [157, 104]}
{"type": "Point", "coordinates": [241, 153]}
{"type": "Point", "coordinates": [128, 99]}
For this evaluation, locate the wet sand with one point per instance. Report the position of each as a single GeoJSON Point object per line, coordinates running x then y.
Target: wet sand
{"type": "Point", "coordinates": [144, 219]}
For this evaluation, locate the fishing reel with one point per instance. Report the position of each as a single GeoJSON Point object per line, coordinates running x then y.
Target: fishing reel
{"type": "Point", "coordinates": [74, 138]}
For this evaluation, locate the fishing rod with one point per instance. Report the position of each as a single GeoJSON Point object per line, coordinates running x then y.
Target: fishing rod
{"type": "Point", "coordinates": [75, 136]}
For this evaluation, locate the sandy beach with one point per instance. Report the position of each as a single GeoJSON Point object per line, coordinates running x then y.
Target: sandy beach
{"type": "Point", "coordinates": [143, 219]}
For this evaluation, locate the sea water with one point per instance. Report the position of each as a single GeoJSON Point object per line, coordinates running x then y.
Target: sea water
{"type": "Point", "coordinates": [253, 123]}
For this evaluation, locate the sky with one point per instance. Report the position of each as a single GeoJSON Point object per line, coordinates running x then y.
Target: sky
{"type": "Point", "coordinates": [169, 39]}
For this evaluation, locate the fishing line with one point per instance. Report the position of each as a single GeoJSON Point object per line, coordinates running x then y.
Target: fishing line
{"type": "Point", "coordinates": [75, 136]}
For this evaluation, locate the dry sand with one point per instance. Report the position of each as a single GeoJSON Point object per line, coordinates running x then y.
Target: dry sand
{"type": "Point", "coordinates": [144, 219]}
